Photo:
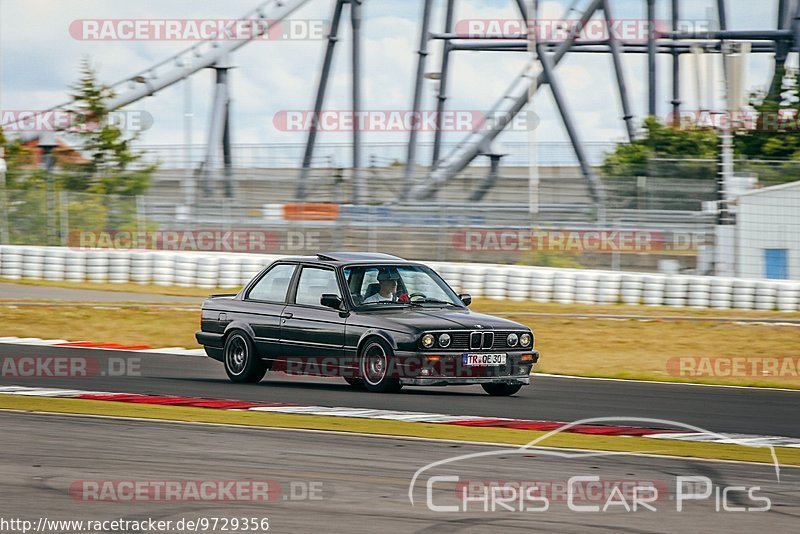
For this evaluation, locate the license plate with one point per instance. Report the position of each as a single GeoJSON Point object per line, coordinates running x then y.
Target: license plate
{"type": "Point", "coordinates": [484, 360]}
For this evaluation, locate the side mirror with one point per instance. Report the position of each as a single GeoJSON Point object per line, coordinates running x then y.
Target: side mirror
{"type": "Point", "coordinates": [466, 298]}
{"type": "Point", "coordinates": [329, 300]}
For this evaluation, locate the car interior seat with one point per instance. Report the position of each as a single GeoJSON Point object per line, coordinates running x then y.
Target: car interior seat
{"type": "Point", "coordinates": [372, 289]}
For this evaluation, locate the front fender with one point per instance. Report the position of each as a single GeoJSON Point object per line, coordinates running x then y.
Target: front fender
{"type": "Point", "coordinates": [388, 337]}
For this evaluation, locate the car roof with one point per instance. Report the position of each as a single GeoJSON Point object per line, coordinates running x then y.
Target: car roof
{"type": "Point", "coordinates": [347, 257]}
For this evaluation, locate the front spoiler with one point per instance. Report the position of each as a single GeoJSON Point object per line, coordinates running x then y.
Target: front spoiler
{"type": "Point", "coordinates": [465, 381]}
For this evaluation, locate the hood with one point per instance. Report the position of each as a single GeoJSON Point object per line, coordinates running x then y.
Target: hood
{"type": "Point", "coordinates": [419, 319]}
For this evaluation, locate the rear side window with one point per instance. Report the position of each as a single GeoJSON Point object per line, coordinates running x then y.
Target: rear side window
{"type": "Point", "coordinates": [274, 285]}
{"type": "Point", "coordinates": [313, 284]}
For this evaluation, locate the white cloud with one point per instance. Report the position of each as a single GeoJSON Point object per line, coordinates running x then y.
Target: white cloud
{"type": "Point", "coordinates": [40, 60]}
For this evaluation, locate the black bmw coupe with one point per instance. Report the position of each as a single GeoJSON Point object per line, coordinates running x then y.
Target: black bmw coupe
{"type": "Point", "coordinates": [378, 321]}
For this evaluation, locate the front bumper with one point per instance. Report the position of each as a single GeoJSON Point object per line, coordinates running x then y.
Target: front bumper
{"type": "Point", "coordinates": [465, 381]}
{"type": "Point", "coordinates": [415, 369]}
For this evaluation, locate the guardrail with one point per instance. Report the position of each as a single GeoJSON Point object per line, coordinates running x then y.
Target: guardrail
{"type": "Point", "coordinates": [518, 283]}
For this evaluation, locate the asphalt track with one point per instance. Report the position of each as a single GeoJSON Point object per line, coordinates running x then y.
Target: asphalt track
{"type": "Point", "coordinates": [359, 484]}
{"type": "Point", "coordinates": [729, 410]}
{"type": "Point", "coordinates": [22, 292]}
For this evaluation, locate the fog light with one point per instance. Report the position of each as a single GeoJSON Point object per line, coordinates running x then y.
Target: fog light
{"type": "Point", "coordinates": [425, 372]}
{"type": "Point", "coordinates": [428, 340]}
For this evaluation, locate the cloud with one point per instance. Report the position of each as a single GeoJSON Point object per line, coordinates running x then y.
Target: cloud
{"type": "Point", "coordinates": [40, 60]}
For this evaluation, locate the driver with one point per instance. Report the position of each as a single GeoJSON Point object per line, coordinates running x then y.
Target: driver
{"type": "Point", "coordinates": [388, 287]}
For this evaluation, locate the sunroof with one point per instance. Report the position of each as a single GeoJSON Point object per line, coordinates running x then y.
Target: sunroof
{"type": "Point", "coordinates": [355, 256]}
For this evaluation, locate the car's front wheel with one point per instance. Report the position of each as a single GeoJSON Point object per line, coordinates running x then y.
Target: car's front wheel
{"type": "Point", "coordinates": [242, 364]}
{"type": "Point", "coordinates": [375, 361]}
{"type": "Point", "coordinates": [501, 390]}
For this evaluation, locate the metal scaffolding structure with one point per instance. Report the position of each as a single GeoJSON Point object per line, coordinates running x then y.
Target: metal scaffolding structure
{"type": "Point", "coordinates": [423, 180]}
{"type": "Point", "coordinates": [210, 53]}
{"type": "Point", "coordinates": [547, 55]}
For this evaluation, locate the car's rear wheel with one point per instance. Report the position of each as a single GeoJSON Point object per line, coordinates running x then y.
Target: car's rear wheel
{"type": "Point", "coordinates": [242, 364]}
{"type": "Point", "coordinates": [374, 366]}
{"type": "Point", "coordinates": [501, 390]}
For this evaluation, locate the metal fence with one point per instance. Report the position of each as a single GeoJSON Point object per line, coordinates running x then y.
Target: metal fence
{"type": "Point", "coordinates": [664, 222]}
{"type": "Point", "coordinates": [560, 235]}
{"type": "Point", "coordinates": [287, 155]}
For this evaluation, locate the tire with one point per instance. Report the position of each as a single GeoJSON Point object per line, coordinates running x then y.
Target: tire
{"type": "Point", "coordinates": [501, 390]}
{"type": "Point", "coordinates": [355, 382]}
{"type": "Point", "coordinates": [373, 364]}
{"type": "Point", "coordinates": [242, 364]}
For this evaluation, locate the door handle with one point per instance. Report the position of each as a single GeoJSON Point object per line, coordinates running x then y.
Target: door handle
{"type": "Point", "coordinates": [287, 316]}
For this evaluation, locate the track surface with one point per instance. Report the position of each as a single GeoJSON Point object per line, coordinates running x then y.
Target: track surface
{"type": "Point", "coordinates": [49, 294]}
{"type": "Point", "coordinates": [363, 482]}
{"type": "Point", "coordinates": [747, 411]}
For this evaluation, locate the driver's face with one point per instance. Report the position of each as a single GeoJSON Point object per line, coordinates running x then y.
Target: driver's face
{"type": "Point", "coordinates": [389, 285]}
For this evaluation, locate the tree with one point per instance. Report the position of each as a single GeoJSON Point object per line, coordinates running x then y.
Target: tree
{"type": "Point", "coordinates": [776, 134]}
{"type": "Point", "coordinates": [659, 141]}
{"type": "Point", "coordinates": [769, 149]}
{"type": "Point", "coordinates": [114, 167]}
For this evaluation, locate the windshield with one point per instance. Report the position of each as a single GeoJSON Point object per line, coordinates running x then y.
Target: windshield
{"type": "Point", "coordinates": [412, 285]}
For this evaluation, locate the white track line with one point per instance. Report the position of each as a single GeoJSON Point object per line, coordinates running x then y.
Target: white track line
{"type": "Point", "coordinates": [376, 436]}
{"type": "Point", "coordinates": [572, 377]}
{"type": "Point", "coordinates": [422, 417]}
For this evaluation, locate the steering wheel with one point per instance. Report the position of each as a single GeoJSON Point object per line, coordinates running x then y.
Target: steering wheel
{"type": "Point", "coordinates": [411, 296]}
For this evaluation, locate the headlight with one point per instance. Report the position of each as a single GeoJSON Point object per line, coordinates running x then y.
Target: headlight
{"type": "Point", "coordinates": [512, 340]}
{"type": "Point", "coordinates": [525, 340]}
{"type": "Point", "coordinates": [428, 340]}
{"type": "Point", "coordinates": [444, 340]}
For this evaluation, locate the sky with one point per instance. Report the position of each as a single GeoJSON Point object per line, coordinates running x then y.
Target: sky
{"type": "Point", "coordinates": [40, 59]}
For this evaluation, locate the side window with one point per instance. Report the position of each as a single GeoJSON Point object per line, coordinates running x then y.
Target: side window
{"type": "Point", "coordinates": [313, 284]}
{"type": "Point", "coordinates": [274, 285]}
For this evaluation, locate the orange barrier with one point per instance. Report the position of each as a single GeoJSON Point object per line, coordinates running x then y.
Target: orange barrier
{"type": "Point", "coordinates": [311, 212]}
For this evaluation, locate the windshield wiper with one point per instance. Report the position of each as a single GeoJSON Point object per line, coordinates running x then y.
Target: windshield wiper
{"type": "Point", "coordinates": [384, 302]}
{"type": "Point", "coordinates": [432, 301]}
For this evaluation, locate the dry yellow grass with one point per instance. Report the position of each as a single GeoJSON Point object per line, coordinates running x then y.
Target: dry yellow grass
{"type": "Point", "coordinates": [157, 327]}
{"type": "Point", "coordinates": [632, 348]}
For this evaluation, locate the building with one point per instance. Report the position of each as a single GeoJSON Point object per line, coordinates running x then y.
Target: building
{"type": "Point", "coordinates": [768, 233]}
